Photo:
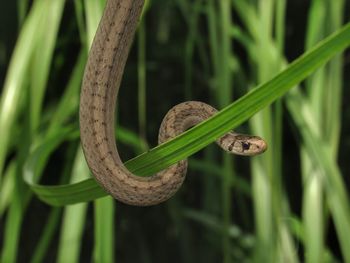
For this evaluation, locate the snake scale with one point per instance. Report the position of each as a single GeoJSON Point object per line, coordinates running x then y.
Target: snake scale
{"type": "Point", "coordinates": [101, 82]}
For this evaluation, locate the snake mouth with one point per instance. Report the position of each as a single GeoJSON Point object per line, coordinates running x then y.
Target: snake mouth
{"type": "Point", "coordinates": [261, 145]}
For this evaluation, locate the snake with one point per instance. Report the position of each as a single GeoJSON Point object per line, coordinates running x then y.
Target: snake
{"type": "Point", "coordinates": [98, 98]}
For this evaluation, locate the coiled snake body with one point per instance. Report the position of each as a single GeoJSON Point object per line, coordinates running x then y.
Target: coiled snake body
{"type": "Point", "coordinates": [100, 87]}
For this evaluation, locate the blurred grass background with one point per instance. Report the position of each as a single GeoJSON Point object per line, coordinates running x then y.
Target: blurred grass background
{"type": "Point", "coordinates": [288, 205]}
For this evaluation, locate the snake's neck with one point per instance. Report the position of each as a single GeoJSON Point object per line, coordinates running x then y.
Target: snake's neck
{"type": "Point", "coordinates": [182, 117]}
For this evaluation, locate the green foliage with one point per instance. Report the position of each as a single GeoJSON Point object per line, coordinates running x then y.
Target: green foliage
{"type": "Point", "coordinates": [239, 219]}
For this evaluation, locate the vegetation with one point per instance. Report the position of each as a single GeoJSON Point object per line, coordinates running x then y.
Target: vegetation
{"type": "Point", "coordinates": [274, 66]}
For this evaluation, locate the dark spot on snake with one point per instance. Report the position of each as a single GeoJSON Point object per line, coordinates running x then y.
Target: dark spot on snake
{"type": "Point", "coordinates": [231, 146]}
{"type": "Point", "coordinates": [245, 146]}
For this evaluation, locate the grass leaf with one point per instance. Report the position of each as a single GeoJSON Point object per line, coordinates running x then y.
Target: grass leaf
{"type": "Point", "coordinates": [198, 137]}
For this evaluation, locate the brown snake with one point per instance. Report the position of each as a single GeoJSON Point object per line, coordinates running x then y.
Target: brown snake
{"type": "Point", "coordinates": [103, 74]}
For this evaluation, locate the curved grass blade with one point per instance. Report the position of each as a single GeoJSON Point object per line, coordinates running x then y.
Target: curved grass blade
{"type": "Point", "coordinates": [198, 137]}
{"type": "Point", "coordinates": [236, 113]}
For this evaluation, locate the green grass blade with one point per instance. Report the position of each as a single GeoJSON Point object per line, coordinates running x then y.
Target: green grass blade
{"type": "Point", "coordinates": [205, 133]}
{"type": "Point", "coordinates": [93, 12]}
{"type": "Point", "coordinates": [335, 80]}
{"type": "Point", "coordinates": [313, 218]}
{"type": "Point", "coordinates": [68, 104]}
{"type": "Point", "coordinates": [104, 229]}
{"type": "Point", "coordinates": [264, 175]}
{"type": "Point", "coordinates": [11, 236]}
{"type": "Point", "coordinates": [7, 187]}
{"type": "Point", "coordinates": [242, 109]}
{"type": "Point", "coordinates": [42, 58]}
{"type": "Point", "coordinates": [16, 76]}
{"type": "Point", "coordinates": [325, 103]}
{"type": "Point", "coordinates": [73, 218]}
{"type": "Point", "coordinates": [335, 190]}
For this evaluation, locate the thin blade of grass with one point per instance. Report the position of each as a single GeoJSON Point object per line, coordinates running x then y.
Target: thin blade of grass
{"type": "Point", "coordinates": [73, 218]}
{"type": "Point", "coordinates": [68, 104]}
{"type": "Point", "coordinates": [104, 229]}
{"type": "Point", "coordinates": [312, 210]}
{"type": "Point", "coordinates": [264, 174]}
{"type": "Point", "coordinates": [93, 12]}
{"type": "Point", "coordinates": [42, 58]}
{"type": "Point", "coordinates": [224, 91]}
{"type": "Point", "coordinates": [7, 187]}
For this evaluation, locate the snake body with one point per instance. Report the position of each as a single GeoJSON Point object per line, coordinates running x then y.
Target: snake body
{"type": "Point", "coordinates": [102, 77]}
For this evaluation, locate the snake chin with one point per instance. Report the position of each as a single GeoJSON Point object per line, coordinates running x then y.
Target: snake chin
{"type": "Point", "coordinates": [257, 146]}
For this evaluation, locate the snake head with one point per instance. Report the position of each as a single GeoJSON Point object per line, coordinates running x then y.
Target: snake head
{"type": "Point", "coordinates": [246, 145]}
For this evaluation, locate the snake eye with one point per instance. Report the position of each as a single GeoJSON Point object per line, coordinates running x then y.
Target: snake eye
{"type": "Point", "coordinates": [245, 146]}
